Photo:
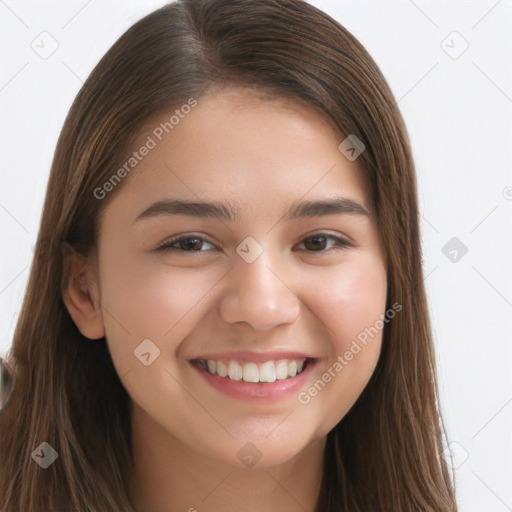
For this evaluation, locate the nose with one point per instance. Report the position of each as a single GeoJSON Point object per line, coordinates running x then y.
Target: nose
{"type": "Point", "coordinates": [259, 295]}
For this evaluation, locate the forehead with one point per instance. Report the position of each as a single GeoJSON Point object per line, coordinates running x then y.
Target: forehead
{"type": "Point", "coordinates": [252, 152]}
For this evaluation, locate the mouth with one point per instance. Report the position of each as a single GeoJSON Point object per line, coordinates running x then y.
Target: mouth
{"type": "Point", "coordinates": [252, 371]}
{"type": "Point", "coordinates": [257, 378]}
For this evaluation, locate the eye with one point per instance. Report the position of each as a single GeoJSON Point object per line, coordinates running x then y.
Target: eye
{"type": "Point", "coordinates": [317, 242]}
{"type": "Point", "coordinates": [193, 244]}
{"type": "Point", "coordinates": [189, 243]}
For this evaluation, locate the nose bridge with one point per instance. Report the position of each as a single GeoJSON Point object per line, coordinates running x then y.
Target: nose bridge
{"type": "Point", "coordinates": [259, 293]}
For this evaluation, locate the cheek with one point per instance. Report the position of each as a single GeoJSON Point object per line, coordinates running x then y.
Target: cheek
{"type": "Point", "coordinates": [350, 303]}
{"type": "Point", "coordinates": [149, 301]}
{"type": "Point", "coordinates": [350, 298]}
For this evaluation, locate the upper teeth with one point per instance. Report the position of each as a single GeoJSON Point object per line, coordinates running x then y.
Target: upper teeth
{"type": "Point", "coordinates": [269, 371]}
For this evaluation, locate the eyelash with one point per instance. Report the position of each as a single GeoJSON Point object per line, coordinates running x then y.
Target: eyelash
{"type": "Point", "coordinates": [340, 243]}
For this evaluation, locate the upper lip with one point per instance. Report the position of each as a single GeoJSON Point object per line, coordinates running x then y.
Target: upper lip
{"type": "Point", "coordinates": [254, 356]}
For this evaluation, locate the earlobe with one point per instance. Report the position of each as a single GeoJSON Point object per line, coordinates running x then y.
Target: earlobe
{"type": "Point", "coordinates": [80, 295]}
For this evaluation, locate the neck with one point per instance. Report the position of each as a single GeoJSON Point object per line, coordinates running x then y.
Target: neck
{"type": "Point", "coordinates": [171, 477]}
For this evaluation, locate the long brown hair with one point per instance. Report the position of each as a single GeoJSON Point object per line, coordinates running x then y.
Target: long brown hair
{"type": "Point", "coordinates": [385, 454]}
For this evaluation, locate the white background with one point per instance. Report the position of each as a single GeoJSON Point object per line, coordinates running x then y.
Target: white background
{"type": "Point", "coordinates": [459, 115]}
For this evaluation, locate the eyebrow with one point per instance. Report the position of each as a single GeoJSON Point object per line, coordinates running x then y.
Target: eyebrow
{"type": "Point", "coordinates": [220, 211]}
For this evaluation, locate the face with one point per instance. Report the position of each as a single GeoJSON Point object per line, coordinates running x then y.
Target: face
{"type": "Point", "coordinates": [257, 284]}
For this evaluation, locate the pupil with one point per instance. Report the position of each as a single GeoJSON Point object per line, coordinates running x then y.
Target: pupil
{"type": "Point", "coordinates": [192, 243]}
{"type": "Point", "coordinates": [318, 239]}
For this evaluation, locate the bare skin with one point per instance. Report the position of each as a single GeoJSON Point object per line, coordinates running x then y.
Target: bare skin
{"type": "Point", "coordinates": [312, 297]}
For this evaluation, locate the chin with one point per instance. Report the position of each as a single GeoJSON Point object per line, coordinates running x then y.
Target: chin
{"type": "Point", "coordinates": [259, 452]}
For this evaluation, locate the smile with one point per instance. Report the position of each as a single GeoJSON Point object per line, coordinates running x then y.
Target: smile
{"type": "Point", "coordinates": [249, 371]}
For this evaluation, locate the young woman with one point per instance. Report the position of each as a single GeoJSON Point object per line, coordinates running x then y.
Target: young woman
{"type": "Point", "coordinates": [226, 307]}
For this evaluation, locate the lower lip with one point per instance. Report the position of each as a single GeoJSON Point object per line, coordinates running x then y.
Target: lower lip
{"type": "Point", "coordinates": [263, 391]}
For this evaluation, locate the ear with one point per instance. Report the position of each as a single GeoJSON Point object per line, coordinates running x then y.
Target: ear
{"type": "Point", "coordinates": [80, 293]}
